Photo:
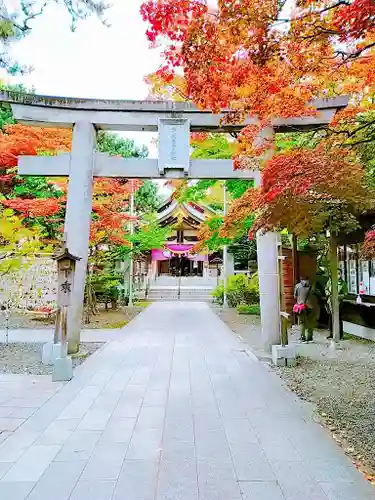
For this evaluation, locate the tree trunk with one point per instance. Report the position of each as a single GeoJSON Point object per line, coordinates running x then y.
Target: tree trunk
{"type": "Point", "coordinates": [295, 265]}
{"type": "Point", "coordinates": [335, 306]}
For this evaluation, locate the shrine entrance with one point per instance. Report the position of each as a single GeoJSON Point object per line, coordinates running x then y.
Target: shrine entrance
{"type": "Point", "coordinates": [174, 121]}
{"type": "Point", "coordinates": [180, 266]}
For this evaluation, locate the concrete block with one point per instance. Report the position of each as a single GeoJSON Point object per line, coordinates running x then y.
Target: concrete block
{"type": "Point", "coordinates": [47, 353]}
{"type": "Point", "coordinates": [51, 352]}
{"type": "Point", "coordinates": [62, 369]}
{"type": "Point", "coordinates": [284, 355]}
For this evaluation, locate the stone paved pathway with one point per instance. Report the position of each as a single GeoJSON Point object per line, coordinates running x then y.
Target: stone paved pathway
{"type": "Point", "coordinates": [174, 411]}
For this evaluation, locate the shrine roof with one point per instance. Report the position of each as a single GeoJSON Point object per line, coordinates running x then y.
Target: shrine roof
{"type": "Point", "coordinates": [172, 207]}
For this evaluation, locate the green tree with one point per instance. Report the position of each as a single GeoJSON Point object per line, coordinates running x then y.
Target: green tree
{"type": "Point", "coordinates": [115, 145]}
{"type": "Point", "coordinates": [146, 198]}
{"type": "Point", "coordinates": [220, 146]}
{"type": "Point", "coordinates": [6, 115]}
{"type": "Point", "coordinates": [148, 235]}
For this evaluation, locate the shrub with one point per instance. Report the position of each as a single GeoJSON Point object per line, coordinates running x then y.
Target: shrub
{"type": "Point", "coordinates": [218, 294]}
{"type": "Point", "coordinates": [253, 309]}
{"type": "Point", "coordinates": [240, 290]}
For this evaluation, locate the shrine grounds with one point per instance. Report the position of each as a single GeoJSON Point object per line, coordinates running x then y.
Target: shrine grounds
{"type": "Point", "coordinates": [173, 407]}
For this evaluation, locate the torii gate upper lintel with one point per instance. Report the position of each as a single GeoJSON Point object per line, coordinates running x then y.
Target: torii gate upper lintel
{"type": "Point", "coordinates": [174, 122]}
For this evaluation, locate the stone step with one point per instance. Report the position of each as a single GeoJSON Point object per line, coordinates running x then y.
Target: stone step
{"type": "Point", "coordinates": [182, 299]}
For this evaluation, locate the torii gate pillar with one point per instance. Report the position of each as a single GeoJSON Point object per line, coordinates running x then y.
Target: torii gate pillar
{"type": "Point", "coordinates": [78, 219]}
{"type": "Point", "coordinates": [268, 272]}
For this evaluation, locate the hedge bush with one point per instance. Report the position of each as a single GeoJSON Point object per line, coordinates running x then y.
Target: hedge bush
{"type": "Point", "coordinates": [253, 309]}
{"type": "Point", "coordinates": [240, 290]}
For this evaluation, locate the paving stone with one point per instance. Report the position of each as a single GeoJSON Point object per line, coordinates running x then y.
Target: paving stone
{"type": "Point", "coordinates": [150, 418]}
{"type": "Point", "coordinates": [128, 407]}
{"type": "Point", "coordinates": [16, 412]}
{"type": "Point", "coordinates": [239, 431]}
{"type": "Point", "coordinates": [137, 481]}
{"type": "Point", "coordinates": [217, 481]}
{"type": "Point", "coordinates": [145, 444]}
{"type": "Point", "coordinates": [175, 450]}
{"type": "Point", "coordinates": [95, 420]}
{"type": "Point", "coordinates": [296, 481]}
{"type": "Point", "coordinates": [32, 464]}
{"type": "Point", "coordinates": [4, 435]}
{"type": "Point", "coordinates": [251, 463]}
{"type": "Point", "coordinates": [93, 490]}
{"type": "Point", "coordinates": [58, 432]}
{"type": "Point", "coordinates": [181, 470]}
{"type": "Point", "coordinates": [177, 480]}
{"type": "Point", "coordinates": [4, 467]}
{"type": "Point", "coordinates": [155, 397]}
{"type": "Point", "coordinates": [329, 472]}
{"type": "Point", "coordinates": [212, 444]}
{"type": "Point", "coordinates": [15, 491]}
{"type": "Point", "coordinates": [118, 430]}
{"type": "Point", "coordinates": [348, 491]}
{"type": "Point", "coordinates": [280, 448]}
{"type": "Point", "coordinates": [106, 462]}
{"type": "Point", "coordinates": [6, 411]}
{"type": "Point", "coordinates": [57, 482]}
{"type": "Point", "coordinates": [10, 424]}
{"type": "Point", "coordinates": [261, 490]}
{"type": "Point", "coordinates": [79, 446]}
{"type": "Point", "coordinates": [16, 444]}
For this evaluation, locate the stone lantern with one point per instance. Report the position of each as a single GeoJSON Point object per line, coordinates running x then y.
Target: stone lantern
{"type": "Point", "coordinates": [66, 265]}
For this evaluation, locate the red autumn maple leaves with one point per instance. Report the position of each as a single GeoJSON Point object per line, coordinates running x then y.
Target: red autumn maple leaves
{"type": "Point", "coordinates": [250, 57]}
{"type": "Point", "coordinates": [110, 196]}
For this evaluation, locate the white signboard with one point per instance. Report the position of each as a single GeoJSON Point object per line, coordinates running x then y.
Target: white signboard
{"type": "Point", "coordinates": [174, 145]}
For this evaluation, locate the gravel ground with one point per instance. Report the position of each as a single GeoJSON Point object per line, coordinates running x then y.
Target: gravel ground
{"type": "Point", "coordinates": [343, 393]}
{"type": "Point", "coordinates": [25, 358]}
{"type": "Point", "coordinates": [103, 319]}
{"type": "Point", "coordinates": [246, 327]}
{"type": "Point", "coordinates": [339, 383]}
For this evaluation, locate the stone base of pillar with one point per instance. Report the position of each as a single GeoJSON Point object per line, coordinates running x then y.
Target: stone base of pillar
{"type": "Point", "coordinates": [62, 369]}
{"type": "Point", "coordinates": [284, 355]}
{"type": "Point", "coordinates": [51, 352]}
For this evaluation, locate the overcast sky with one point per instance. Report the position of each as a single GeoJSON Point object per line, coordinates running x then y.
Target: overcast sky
{"type": "Point", "coordinates": [94, 61]}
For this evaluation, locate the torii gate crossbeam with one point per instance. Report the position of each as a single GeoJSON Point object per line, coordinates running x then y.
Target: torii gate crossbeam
{"type": "Point", "coordinates": [174, 122]}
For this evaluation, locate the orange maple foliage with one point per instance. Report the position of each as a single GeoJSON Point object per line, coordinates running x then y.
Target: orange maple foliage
{"type": "Point", "coordinates": [18, 140]}
{"type": "Point", "coordinates": [252, 57]}
{"type": "Point", "coordinates": [305, 192]}
{"type": "Point", "coordinates": [110, 196]}
{"type": "Point", "coordinates": [35, 207]}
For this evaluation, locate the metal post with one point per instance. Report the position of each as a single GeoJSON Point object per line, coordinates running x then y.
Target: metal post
{"type": "Point", "coordinates": [335, 305]}
{"type": "Point", "coordinates": [225, 255]}
{"type": "Point", "coordinates": [131, 270]}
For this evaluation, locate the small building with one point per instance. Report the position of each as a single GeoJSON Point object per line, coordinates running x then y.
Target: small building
{"type": "Point", "coordinates": [359, 274]}
{"type": "Point", "coordinates": [177, 257]}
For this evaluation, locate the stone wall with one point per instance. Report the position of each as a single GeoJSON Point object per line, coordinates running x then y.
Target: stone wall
{"type": "Point", "coordinates": [31, 287]}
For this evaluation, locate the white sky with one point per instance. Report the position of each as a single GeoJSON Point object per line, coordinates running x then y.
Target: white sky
{"type": "Point", "coordinates": [94, 61]}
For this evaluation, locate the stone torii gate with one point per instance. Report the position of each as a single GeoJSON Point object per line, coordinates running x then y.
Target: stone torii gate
{"type": "Point", "coordinates": [174, 122]}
